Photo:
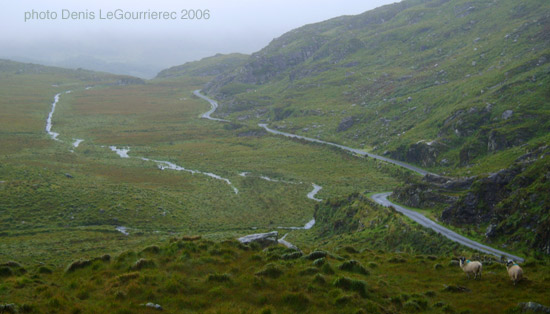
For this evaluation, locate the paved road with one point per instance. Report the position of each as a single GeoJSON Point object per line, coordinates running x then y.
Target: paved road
{"type": "Point", "coordinates": [350, 149]}
{"type": "Point", "coordinates": [382, 199]}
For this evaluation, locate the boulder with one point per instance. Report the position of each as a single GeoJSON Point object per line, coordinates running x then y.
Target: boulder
{"type": "Point", "coordinates": [532, 307]}
{"type": "Point", "coordinates": [345, 124]}
{"type": "Point", "coordinates": [264, 239]}
{"type": "Point", "coordinates": [507, 114]}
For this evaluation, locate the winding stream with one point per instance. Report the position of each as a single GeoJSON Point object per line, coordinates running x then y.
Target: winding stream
{"type": "Point", "coordinates": [49, 123]}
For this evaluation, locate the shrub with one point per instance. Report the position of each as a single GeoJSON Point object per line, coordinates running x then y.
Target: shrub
{"type": "Point", "coordinates": [319, 279]}
{"type": "Point", "coordinates": [297, 301]}
{"type": "Point", "coordinates": [83, 294]}
{"type": "Point", "coordinates": [191, 238]}
{"type": "Point", "coordinates": [309, 271]}
{"type": "Point", "coordinates": [270, 271]}
{"type": "Point", "coordinates": [354, 267]}
{"type": "Point", "coordinates": [78, 265]}
{"type": "Point", "coordinates": [345, 283]}
{"type": "Point", "coordinates": [411, 306]}
{"type": "Point", "coordinates": [327, 270]}
{"type": "Point", "coordinates": [143, 263]}
{"type": "Point", "coordinates": [6, 272]}
{"type": "Point", "coordinates": [219, 278]}
{"type": "Point", "coordinates": [316, 254]}
{"type": "Point", "coordinates": [44, 270]}
{"type": "Point", "coordinates": [350, 250]}
{"type": "Point", "coordinates": [290, 256]}
{"type": "Point", "coordinates": [153, 249]}
{"type": "Point", "coordinates": [319, 262]}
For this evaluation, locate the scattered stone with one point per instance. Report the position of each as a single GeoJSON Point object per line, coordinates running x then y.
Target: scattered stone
{"type": "Point", "coordinates": [69, 175]}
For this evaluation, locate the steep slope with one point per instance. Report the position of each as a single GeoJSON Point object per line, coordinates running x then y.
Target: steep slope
{"type": "Point", "coordinates": [443, 84]}
{"type": "Point", "coordinates": [457, 87]}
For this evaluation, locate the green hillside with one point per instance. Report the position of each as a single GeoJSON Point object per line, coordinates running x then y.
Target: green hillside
{"type": "Point", "coordinates": [118, 196]}
{"type": "Point", "coordinates": [206, 67]}
{"type": "Point", "coordinates": [442, 84]}
{"type": "Point", "coordinates": [456, 87]}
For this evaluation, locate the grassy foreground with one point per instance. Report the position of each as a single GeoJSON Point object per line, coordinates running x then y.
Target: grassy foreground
{"type": "Point", "coordinates": [189, 275]}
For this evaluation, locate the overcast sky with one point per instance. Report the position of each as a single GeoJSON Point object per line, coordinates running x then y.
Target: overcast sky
{"type": "Point", "coordinates": [146, 46]}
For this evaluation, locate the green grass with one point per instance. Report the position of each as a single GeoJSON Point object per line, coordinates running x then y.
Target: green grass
{"type": "Point", "coordinates": [159, 120]}
{"type": "Point", "coordinates": [206, 276]}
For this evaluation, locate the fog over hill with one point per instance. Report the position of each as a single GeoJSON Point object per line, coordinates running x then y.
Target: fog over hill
{"type": "Point", "coordinates": [144, 47]}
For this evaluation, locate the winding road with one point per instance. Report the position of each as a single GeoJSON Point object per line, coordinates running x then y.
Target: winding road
{"type": "Point", "coordinates": [350, 149]}
{"type": "Point", "coordinates": [382, 199]}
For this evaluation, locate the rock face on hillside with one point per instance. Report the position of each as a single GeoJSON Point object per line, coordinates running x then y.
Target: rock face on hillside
{"type": "Point", "coordinates": [512, 201]}
{"type": "Point", "coordinates": [477, 207]}
{"type": "Point", "coordinates": [345, 124]}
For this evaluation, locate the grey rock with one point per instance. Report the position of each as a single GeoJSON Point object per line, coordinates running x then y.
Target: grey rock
{"type": "Point", "coordinates": [69, 175]}
{"type": "Point", "coordinates": [507, 114]}
{"type": "Point", "coordinates": [264, 239]}
{"type": "Point", "coordinates": [345, 124]}
{"type": "Point", "coordinates": [532, 307]}
{"type": "Point", "coordinates": [491, 231]}
{"type": "Point", "coordinates": [8, 308]}
{"type": "Point", "coordinates": [153, 306]}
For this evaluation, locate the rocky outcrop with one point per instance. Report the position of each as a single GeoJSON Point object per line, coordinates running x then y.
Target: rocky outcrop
{"type": "Point", "coordinates": [433, 191]}
{"type": "Point", "coordinates": [422, 195]}
{"type": "Point", "coordinates": [423, 154]}
{"type": "Point", "coordinates": [510, 202]}
{"type": "Point", "coordinates": [345, 124]}
{"type": "Point", "coordinates": [477, 207]}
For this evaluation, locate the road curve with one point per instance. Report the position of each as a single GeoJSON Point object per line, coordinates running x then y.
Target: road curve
{"type": "Point", "coordinates": [350, 149]}
{"type": "Point", "coordinates": [382, 199]}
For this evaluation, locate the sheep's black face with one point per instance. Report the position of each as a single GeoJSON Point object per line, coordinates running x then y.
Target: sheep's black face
{"type": "Point", "coordinates": [462, 259]}
{"type": "Point", "coordinates": [509, 263]}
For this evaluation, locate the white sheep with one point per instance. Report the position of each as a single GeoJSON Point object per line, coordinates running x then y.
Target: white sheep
{"type": "Point", "coordinates": [514, 271]}
{"type": "Point", "coordinates": [471, 267]}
